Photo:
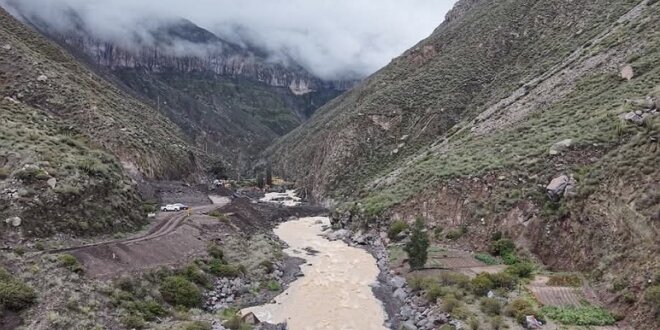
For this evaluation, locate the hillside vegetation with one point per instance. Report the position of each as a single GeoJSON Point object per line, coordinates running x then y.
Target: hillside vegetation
{"type": "Point", "coordinates": [468, 128]}
{"type": "Point", "coordinates": [71, 144]}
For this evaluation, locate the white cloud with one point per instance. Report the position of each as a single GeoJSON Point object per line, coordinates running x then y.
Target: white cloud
{"type": "Point", "coordinates": [331, 38]}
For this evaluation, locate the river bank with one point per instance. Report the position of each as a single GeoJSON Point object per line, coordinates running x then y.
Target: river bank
{"type": "Point", "coordinates": [336, 289]}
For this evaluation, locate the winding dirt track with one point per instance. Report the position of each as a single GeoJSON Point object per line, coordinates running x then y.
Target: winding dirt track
{"type": "Point", "coordinates": [164, 227]}
{"type": "Point", "coordinates": [173, 239]}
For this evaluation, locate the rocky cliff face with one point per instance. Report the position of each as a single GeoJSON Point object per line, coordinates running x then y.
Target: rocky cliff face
{"type": "Point", "coordinates": [214, 55]}
{"type": "Point", "coordinates": [229, 100]}
{"type": "Point", "coordinates": [470, 126]}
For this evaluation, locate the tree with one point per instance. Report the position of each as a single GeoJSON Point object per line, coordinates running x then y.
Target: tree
{"type": "Point", "coordinates": [418, 245]}
{"type": "Point", "coordinates": [269, 175]}
{"type": "Point", "coordinates": [260, 181]}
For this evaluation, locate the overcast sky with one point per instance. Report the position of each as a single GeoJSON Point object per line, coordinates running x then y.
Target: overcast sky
{"type": "Point", "coordinates": [330, 38]}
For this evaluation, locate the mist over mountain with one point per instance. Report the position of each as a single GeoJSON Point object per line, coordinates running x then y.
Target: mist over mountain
{"type": "Point", "coordinates": [331, 39]}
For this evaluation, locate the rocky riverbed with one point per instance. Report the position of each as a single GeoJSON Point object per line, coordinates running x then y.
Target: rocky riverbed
{"type": "Point", "coordinates": [405, 309]}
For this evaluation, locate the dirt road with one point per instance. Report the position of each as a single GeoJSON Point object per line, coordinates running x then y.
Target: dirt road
{"type": "Point", "coordinates": [173, 239]}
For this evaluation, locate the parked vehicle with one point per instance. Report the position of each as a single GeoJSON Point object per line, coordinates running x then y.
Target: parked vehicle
{"type": "Point", "coordinates": [170, 208]}
{"type": "Point", "coordinates": [181, 206]}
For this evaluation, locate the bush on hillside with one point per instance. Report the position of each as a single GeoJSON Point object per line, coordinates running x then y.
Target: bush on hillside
{"type": "Point", "coordinates": [652, 296]}
{"type": "Point", "coordinates": [215, 252]}
{"type": "Point", "coordinates": [519, 309]}
{"type": "Point", "coordinates": [521, 269]}
{"type": "Point", "coordinates": [198, 325]}
{"type": "Point", "coordinates": [178, 291]}
{"type": "Point", "coordinates": [14, 294]}
{"type": "Point", "coordinates": [491, 306]}
{"type": "Point", "coordinates": [396, 228]}
{"type": "Point", "coordinates": [219, 268]}
{"type": "Point", "coordinates": [70, 262]}
{"type": "Point", "coordinates": [454, 234]}
{"type": "Point", "coordinates": [132, 321]}
{"type": "Point", "coordinates": [196, 275]}
{"type": "Point", "coordinates": [502, 247]}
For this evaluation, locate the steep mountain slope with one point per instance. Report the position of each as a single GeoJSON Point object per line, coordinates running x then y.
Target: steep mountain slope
{"type": "Point", "coordinates": [72, 144]}
{"type": "Point", "coordinates": [468, 127]}
{"type": "Point", "coordinates": [230, 100]}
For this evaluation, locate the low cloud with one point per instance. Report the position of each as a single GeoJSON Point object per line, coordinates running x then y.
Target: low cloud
{"type": "Point", "coordinates": [334, 39]}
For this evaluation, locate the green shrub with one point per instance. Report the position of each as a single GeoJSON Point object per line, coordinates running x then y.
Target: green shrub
{"type": "Point", "coordinates": [197, 325]}
{"type": "Point", "coordinates": [417, 283]}
{"type": "Point", "coordinates": [510, 259]}
{"type": "Point", "coordinates": [474, 324]}
{"type": "Point", "coordinates": [149, 208]}
{"type": "Point", "coordinates": [490, 306]}
{"type": "Point", "coordinates": [126, 283]}
{"type": "Point", "coordinates": [519, 309]}
{"type": "Point", "coordinates": [396, 228]}
{"type": "Point", "coordinates": [14, 294]}
{"type": "Point", "coordinates": [437, 232]}
{"type": "Point", "coordinates": [502, 247]}
{"type": "Point", "coordinates": [585, 315]}
{"type": "Point", "coordinates": [503, 280]}
{"type": "Point", "coordinates": [487, 259]}
{"type": "Point", "coordinates": [564, 280]}
{"type": "Point", "coordinates": [273, 285]}
{"type": "Point", "coordinates": [219, 268]}
{"type": "Point", "coordinates": [417, 248]}
{"type": "Point", "coordinates": [451, 278]}
{"type": "Point", "coordinates": [485, 282]}
{"type": "Point", "coordinates": [70, 262]}
{"type": "Point", "coordinates": [151, 309]}
{"type": "Point", "coordinates": [219, 215]}
{"type": "Point", "coordinates": [497, 323]}
{"type": "Point", "coordinates": [433, 292]}
{"type": "Point", "coordinates": [522, 269]}
{"type": "Point", "coordinates": [481, 284]}
{"type": "Point", "coordinates": [496, 236]}
{"type": "Point", "coordinates": [196, 275]}
{"type": "Point", "coordinates": [19, 250]}
{"type": "Point", "coordinates": [178, 291]}
{"type": "Point", "coordinates": [132, 321]}
{"type": "Point", "coordinates": [31, 175]}
{"type": "Point", "coordinates": [215, 252]}
{"type": "Point", "coordinates": [454, 234]}
{"type": "Point", "coordinates": [450, 303]}
{"type": "Point", "coordinates": [652, 296]}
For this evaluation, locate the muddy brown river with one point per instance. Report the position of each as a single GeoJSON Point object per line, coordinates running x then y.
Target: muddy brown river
{"type": "Point", "coordinates": [335, 292]}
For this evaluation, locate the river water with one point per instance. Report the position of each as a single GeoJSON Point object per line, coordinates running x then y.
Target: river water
{"type": "Point", "coordinates": [335, 292]}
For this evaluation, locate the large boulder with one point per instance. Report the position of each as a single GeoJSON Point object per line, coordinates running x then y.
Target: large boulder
{"type": "Point", "coordinates": [400, 294]}
{"type": "Point", "coordinates": [560, 146]}
{"type": "Point", "coordinates": [557, 186]}
{"type": "Point", "coordinates": [627, 72]}
{"type": "Point", "coordinates": [14, 221]}
{"type": "Point", "coordinates": [398, 282]}
{"type": "Point", "coordinates": [633, 117]}
{"type": "Point", "coordinates": [408, 325]}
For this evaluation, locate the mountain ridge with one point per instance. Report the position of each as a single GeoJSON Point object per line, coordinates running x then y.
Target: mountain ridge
{"type": "Point", "coordinates": [226, 98]}
{"type": "Point", "coordinates": [468, 129]}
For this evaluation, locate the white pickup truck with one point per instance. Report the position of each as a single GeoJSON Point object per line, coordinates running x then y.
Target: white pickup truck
{"type": "Point", "coordinates": [173, 207]}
